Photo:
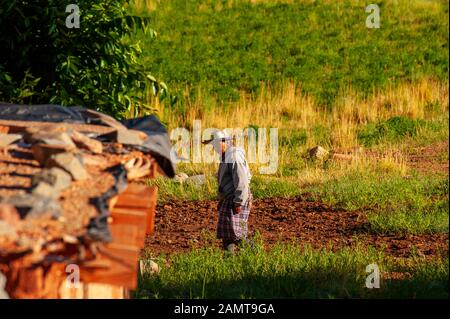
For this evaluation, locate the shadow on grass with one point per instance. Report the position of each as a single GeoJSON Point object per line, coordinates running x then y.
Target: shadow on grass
{"type": "Point", "coordinates": [293, 272]}
{"type": "Point", "coordinates": [317, 285]}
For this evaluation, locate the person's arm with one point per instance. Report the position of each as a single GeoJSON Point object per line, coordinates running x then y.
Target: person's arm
{"type": "Point", "coordinates": [240, 182]}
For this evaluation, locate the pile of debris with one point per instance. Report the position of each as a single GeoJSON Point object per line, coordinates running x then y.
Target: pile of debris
{"type": "Point", "coordinates": [60, 180]}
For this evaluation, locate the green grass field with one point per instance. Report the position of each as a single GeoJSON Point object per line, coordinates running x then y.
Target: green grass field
{"type": "Point", "coordinates": [312, 69]}
{"type": "Point", "coordinates": [229, 47]}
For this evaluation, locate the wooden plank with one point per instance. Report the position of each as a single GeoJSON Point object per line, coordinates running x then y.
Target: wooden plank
{"type": "Point", "coordinates": [128, 234]}
{"type": "Point", "coordinates": [37, 281]}
{"type": "Point", "coordinates": [122, 271]}
{"type": "Point", "coordinates": [118, 212]}
{"type": "Point", "coordinates": [121, 222]}
{"type": "Point", "coordinates": [102, 291]}
{"type": "Point", "coordinates": [92, 291]}
{"type": "Point", "coordinates": [151, 221]}
{"type": "Point", "coordinates": [137, 195]}
{"type": "Point", "coordinates": [20, 126]}
{"type": "Point", "coordinates": [67, 292]}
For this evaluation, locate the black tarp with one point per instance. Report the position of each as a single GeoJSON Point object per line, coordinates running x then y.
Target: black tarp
{"type": "Point", "coordinates": [158, 142]}
{"type": "Point", "coordinates": [98, 228]}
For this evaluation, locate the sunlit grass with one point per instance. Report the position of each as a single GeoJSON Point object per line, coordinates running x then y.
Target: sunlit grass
{"type": "Point", "coordinates": [291, 271]}
{"type": "Point", "coordinates": [219, 50]}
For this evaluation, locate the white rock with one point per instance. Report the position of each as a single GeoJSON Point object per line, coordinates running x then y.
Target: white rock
{"type": "Point", "coordinates": [317, 153]}
{"type": "Point", "coordinates": [181, 177]}
{"type": "Point", "coordinates": [148, 267]}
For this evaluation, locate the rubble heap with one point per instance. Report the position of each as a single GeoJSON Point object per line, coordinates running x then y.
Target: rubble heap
{"type": "Point", "coordinates": [60, 184]}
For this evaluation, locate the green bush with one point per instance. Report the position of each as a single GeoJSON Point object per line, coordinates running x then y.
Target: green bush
{"type": "Point", "coordinates": [391, 130]}
{"type": "Point", "coordinates": [95, 65]}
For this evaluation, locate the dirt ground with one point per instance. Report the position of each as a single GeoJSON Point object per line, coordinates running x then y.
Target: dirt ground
{"type": "Point", "coordinates": [431, 158]}
{"type": "Point", "coordinates": [182, 225]}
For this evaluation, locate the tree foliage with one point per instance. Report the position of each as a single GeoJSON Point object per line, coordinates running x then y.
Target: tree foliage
{"type": "Point", "coordinates": [95, 65]}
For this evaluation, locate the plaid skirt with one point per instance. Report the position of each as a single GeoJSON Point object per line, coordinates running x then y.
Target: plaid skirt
{"type": "Point", "coordinates": [233, 226]}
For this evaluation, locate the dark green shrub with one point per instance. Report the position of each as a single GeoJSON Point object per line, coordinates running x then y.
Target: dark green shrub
{"type": "Point", "coordinates": [95, 65]}
{"type": "Point", "coordinates": [393, 129]}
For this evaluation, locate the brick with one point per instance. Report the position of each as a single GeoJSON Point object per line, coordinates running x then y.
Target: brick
{"type": "Point", "coordinates": [70, 163]}
{"type": "Point", "coordinates": [85, 142]}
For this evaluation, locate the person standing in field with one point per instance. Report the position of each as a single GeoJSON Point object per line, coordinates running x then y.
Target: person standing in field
{"type": "Point", "coordinates": [235, 197]}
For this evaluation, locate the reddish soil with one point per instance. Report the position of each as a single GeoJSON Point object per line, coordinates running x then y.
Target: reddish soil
{"type": "Point", "coordinates": [430, 158]}
{"type": "Point", "coordinates": [183, 225]}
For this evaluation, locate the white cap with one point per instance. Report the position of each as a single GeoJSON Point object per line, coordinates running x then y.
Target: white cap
{"type": "Point", "coordinates": [219, 136]}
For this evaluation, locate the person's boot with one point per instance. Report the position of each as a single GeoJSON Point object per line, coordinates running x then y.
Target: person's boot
{"type": "Point", "coordinates": [229, 246]}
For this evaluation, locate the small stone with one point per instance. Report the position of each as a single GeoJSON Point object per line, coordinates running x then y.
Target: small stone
{"type": "Point", "coordinates": [8, 139]}
{"type": "Point", "coordinates": [85, 142]}
{"type": "Point", "coordinates": [37, 245]}
{"type": "Point", "coordinates": [70, 163]}
{"type": "Point", "coordinates": [148, 267]}
{"type": "Point", "coordinates": [34, 206]}
{"type": "Point", "coordinates": [130, 137]}
{"type": "Point", "coordinates": [23, 242]}
{"type": "Point", "coordinates": [33, 134]}
{"type": "Point", "coordinates": [62, 219]}
{"type": "Point", "coordinates": [42, 152]}
{"type": "Point", "coordinates": [9, 214]}
{"type": "Point", "coordinates": [55, 177]}
{"type": "Point", "coordinates": [318, 153]}
{"type": "Point", "coordinates": [61, 139]}
{"type": "Point", "coordinates": [94, 160]}
{"type": "Point", "coordinates": [181, 177]}
{"type": "Point", "coordinates": [46, 190]}
{"type": "Point", "coordinates": [196, 179]}
{"type": "Point", "coordinates": [7, 232]}
{"type": "Point", "coordinates": [70, 239]}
